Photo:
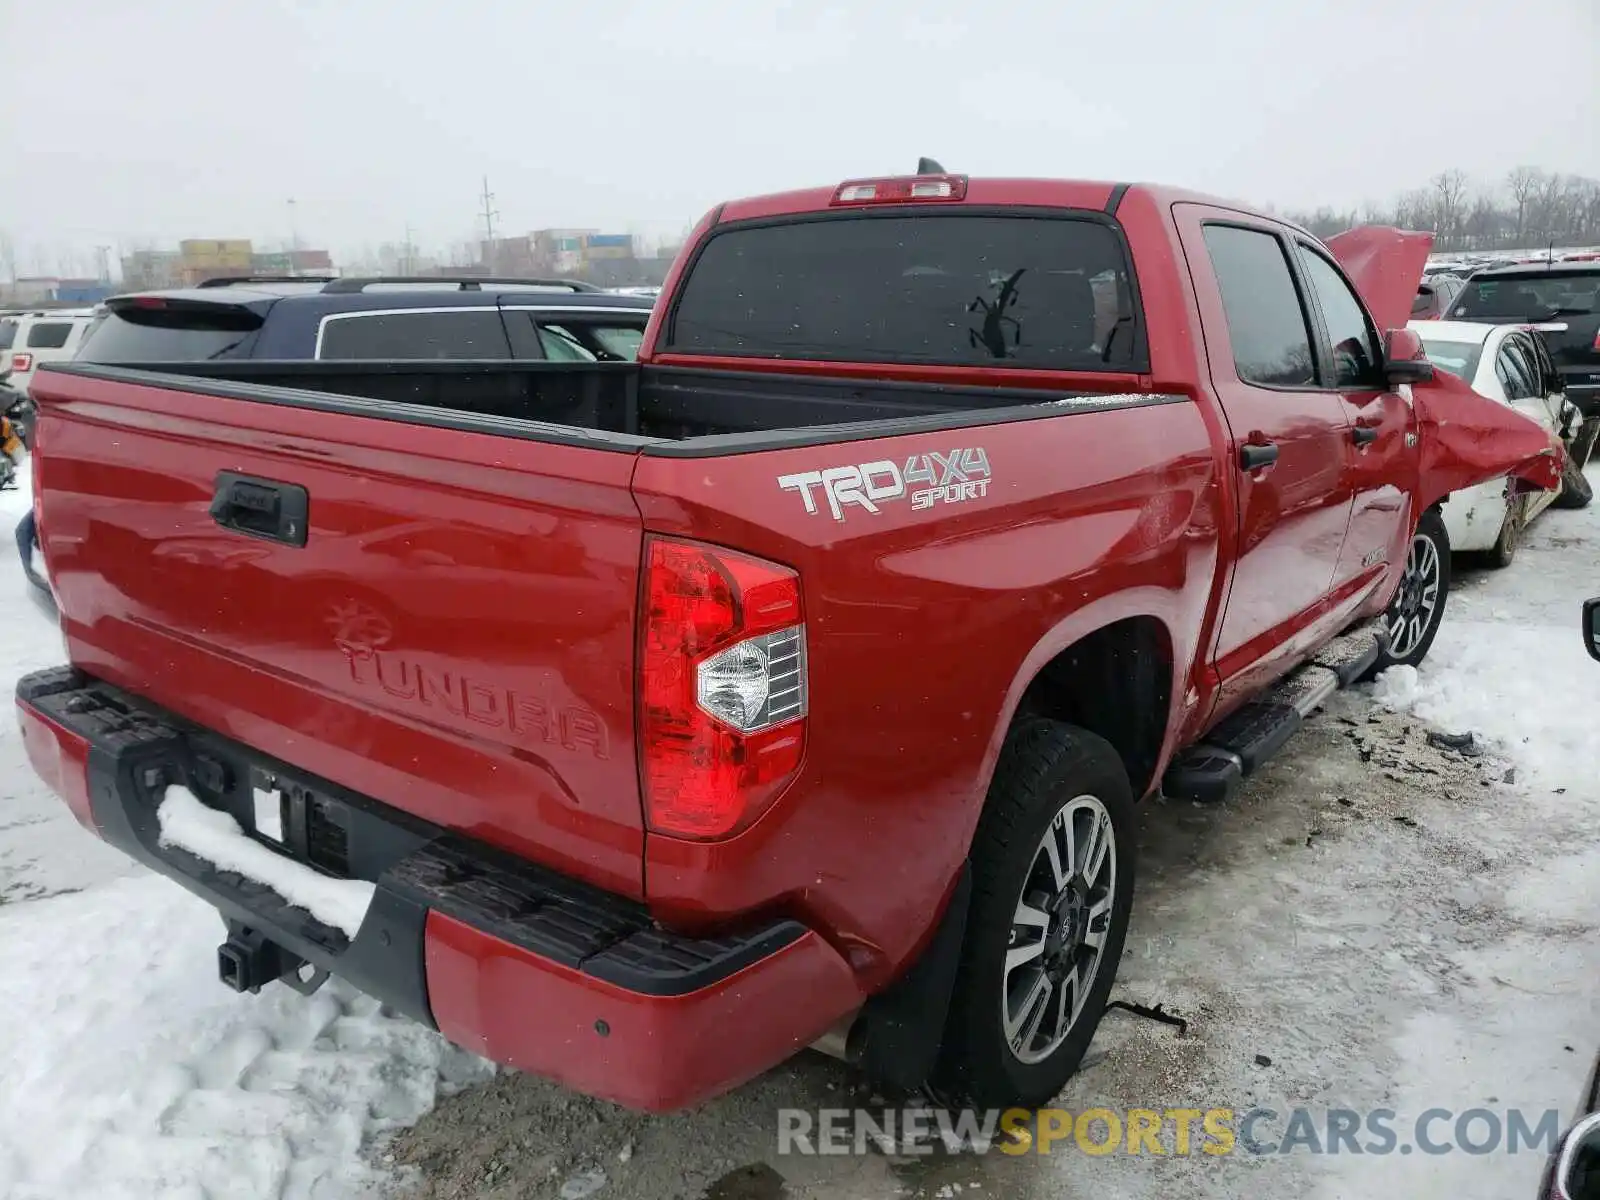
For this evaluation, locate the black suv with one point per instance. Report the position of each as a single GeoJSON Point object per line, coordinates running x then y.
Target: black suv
{"type": "Point", "coordinates": [1562, 298]}
{"type": "Point", "coordinates": [373, 318]}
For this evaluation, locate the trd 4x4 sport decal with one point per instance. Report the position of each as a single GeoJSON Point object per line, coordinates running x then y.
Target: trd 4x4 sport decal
{"type": "Point", "coordinates": [952, 478]}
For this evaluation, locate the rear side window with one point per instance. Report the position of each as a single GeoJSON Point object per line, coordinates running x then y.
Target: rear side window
{"type": "Point", "coordinates": [1266, 322]}
{"type": "Point", "coordinates": [1423, 302]}
{"type": "Point", "coordinates": [177, 333]}
{"type": "Point", "coordinates": [8, 334]}
{"type": "Point", "coordinates": [50, 335]}
{"type": "Point", "coordinates": [949, 289]}
{"type": "Point", "coordinates": [464, 333]}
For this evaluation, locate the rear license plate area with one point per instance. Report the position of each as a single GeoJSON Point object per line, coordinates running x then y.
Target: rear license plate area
{"type": "Point", "coordinates": [279, 809]}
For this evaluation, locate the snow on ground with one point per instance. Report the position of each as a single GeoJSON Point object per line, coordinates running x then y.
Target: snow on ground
{"type": "Point", "coordinates": [127, 1071]}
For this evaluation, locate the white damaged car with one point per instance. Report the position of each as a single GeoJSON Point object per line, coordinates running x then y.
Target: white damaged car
{"type": "Point", "coordinates": [1508, 363]}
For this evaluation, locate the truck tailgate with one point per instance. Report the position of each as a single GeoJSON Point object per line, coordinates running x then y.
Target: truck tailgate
{"type": "Point", "coordinates": [449, 629]}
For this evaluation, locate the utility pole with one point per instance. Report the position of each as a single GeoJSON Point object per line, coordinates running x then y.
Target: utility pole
{"type": "Point", "coordinates": [489, 214]}
{"type": "Point", "coordinates": [294, 231]}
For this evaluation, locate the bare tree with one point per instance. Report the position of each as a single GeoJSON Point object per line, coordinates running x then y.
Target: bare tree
{"type": "Point", "coordinates": [1450, 188]}
{"type": "Point", "coordinates": [1524, 184]}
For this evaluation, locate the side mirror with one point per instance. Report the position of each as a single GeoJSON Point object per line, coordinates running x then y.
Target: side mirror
{"type": "Point", "coordinates": [1403, 358]}
{"type": "Point", "coordinates": [1575, 1172]}
{"type": "Point", "coordinates": [1591, 627]}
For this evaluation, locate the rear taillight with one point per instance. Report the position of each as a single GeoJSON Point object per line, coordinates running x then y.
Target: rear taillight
{"type": "Point", "coordinates": [723, 687]}
{"type": "Point", "coordinates": [21, 363]}
{"type": "Point", "coordinates": [1596, 346]}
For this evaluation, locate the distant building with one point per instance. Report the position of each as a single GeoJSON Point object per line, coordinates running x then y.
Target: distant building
{"type": "Point", "coordinates": [291, 262]}
{"type": "Point", "coordinates": [84, 291]}
{"type": "Point", "coordinates": [601, 246]}
{"type": "Point", "coordinates": [560, 251]}
{"type": "Point", "coordinates": [146, 269]}
{"type": "Point", "coordinates": [32, 289]}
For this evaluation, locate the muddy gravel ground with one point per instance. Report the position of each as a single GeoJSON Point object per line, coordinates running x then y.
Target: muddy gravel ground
{"type": "Point", "coordinates": [1360, 880]}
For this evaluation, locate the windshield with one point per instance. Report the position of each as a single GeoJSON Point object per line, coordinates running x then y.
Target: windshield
{"type": "Point", "coordinates": [1459, 358]}
{"type": "Point", "coordinates": [1530, 296]}
{"type": "Point", "coordinates": [953, 290]}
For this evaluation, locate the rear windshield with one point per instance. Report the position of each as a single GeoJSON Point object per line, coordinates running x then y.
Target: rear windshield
{"type": "Point", "coordinates": [951, 289]}
{"type": "Point", "coordinates": [1530, 296]}
{"type": "Point", "coordinates": [189, 334]}
{"type": "Point", "coordinates": [1459, 358]}
{"type": "Point", "coordinates": [8, 333]}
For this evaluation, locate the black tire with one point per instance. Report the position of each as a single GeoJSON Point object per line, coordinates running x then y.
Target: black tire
{"type": "Point", "coordinates": [1582, 446]}
{"type": "Point", "coordinates": [1410, 597]}
{"type": "Point", "coordinates": [1576, 491]}
{"type": "Point", "coordinates": [1046, 769]}
{"type": "Point", "coordinates": [1504, 551]}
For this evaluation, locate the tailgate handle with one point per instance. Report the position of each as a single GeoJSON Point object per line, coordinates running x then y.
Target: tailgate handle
{"type": "Point", "coordinates": [262, 508]}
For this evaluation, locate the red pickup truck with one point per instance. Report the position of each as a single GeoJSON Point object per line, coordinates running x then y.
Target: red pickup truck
{"type": "Point", "coordinates": [640, 724]}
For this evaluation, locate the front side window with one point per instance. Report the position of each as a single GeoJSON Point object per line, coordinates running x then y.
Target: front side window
{"type": "Point", "coordinates": [1355, 343]}
{"type": "Point", "coordinates": [464, 334]}
{"type": "Point", "coordinates": [1266, 322]}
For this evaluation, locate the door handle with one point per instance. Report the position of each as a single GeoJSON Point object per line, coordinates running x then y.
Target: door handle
{"type": "Point", "coordinates": [1364, 435]}
{"type": "Point", "coordinates": [261, 508]}
{"type": "Point", "coordinates": [1255, 455]}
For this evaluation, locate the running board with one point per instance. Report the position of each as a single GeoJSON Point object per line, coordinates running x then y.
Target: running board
{"type": "Point", "coordinates": [1235, 747]}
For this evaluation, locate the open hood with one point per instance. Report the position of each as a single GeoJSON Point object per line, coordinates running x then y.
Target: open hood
{"type": "Point", "coordinates": [1385, 264]}
{"type": "Point", "coordinates": [1468, 439]}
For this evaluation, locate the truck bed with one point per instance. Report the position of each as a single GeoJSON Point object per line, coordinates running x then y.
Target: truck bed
{"type": "Point", "coordinates": [616, 405]}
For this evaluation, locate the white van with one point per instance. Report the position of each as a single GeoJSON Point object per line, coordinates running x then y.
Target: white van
{"type": "Point", "coordinates": [33, 336]}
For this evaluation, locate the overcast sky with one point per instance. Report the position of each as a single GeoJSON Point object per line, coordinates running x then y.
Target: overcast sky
{"type": "Point", "coordinates": [136, 121]}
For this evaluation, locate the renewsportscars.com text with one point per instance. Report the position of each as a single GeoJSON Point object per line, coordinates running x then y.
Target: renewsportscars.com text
{"type": "Point", "coordinates": [1176, 1132]}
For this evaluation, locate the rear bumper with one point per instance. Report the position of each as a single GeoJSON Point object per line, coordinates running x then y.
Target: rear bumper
{"type": "Point", "coordinates": [529, 968]}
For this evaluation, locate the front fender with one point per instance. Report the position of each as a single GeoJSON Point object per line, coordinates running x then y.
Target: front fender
{"type": "Point", "coordinates": [1465, 439]}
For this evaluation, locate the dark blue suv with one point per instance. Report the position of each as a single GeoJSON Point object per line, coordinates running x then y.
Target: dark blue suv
{"type": "Point", "coordinates": [384, 318]}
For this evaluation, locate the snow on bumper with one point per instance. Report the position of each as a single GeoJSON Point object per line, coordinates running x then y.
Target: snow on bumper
{"type": "Point", "coordinates": [504, 957]}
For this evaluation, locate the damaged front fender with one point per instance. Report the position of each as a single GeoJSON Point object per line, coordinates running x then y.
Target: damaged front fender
{"type": "Point", "coordinates": [1466, 439]}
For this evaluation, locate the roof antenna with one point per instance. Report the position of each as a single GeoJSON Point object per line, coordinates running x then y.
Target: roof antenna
{"type": "Point", "coordinates": [927, 166]}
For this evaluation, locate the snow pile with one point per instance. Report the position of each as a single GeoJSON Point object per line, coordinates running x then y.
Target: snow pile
{"type": "Point", "coordinates": [1397, 688]}
{"type": "Point", "coordinates": [216, 837]}
{"type": "Point", "coordinates": [131, 1072]}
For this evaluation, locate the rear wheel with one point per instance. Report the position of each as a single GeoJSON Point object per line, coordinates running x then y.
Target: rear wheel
{"type": "Point", "coordinates": [1414, 615]}
{"type": "Point", "coordinates": [1576, 491]}
{"type": "Point", "coordinates": [1504, 551]}
{"type": "Point", "coordinates": [1053, 865]}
